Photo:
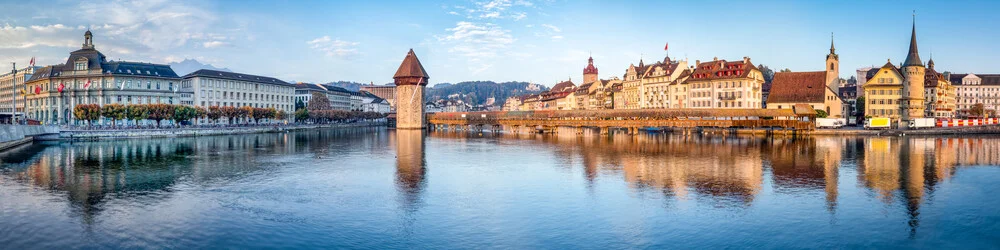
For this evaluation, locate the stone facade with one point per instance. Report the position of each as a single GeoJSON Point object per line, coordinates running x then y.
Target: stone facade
{"type": "Point", "coordinates": [410, 80]}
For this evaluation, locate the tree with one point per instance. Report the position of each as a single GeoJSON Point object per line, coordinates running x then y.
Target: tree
{"type": "Point", "coordinates": [160, 112]}
{"type": "Point", "coordinates": [302, 114]}
{"type": "Point", "coordinates": [245, 113]}
{"type": "Point", "coordinates": [977, 110]}
{"type": "Point", "coordinates": [230, 113]}
{"type": "Point", "coordinates": [786, 70]}
{"type": "Point", "coordinates": [319, 102]}
{"type": "Point", "coordinates": [768, 73]}
{"type": "Point", "coordinates": [183, 113]}
{"type": "Point", "coordinates": [259, 114]}
{"type": "Point", "coordinates": [281, 115]}
{"type": "Point", "coordinates": [87, 112]}
{"type": "Point", "coordinates": [821, 113]}
{"type": "Point", "coordinates": [138, 113]}
{"type": "Point", "coordinates": [860, 106]}
{"type": "Point", "coordinates": [200, 113]}
{"type": "Point", "coordinates": [113, 111]}
{"type": "Point", "coordinates": [214, 113]}
{"type": "Point", "coordinates": [299, 104]}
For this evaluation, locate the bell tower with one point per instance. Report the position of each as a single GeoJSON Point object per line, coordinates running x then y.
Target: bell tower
{"type": "Point", "coordinates": [410, 80]}
{"type": "Point", "coordinates": [88, 40]}
{"type": "Point", "coordinates": [832, 65]}
{"type": "Point", "coordinates": [590, 72]}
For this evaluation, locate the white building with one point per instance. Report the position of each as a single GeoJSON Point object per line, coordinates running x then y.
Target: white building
{"type": "Point", "coordinates": [971, 89]}
{"type": "Point", "coordinates": [227, 89]}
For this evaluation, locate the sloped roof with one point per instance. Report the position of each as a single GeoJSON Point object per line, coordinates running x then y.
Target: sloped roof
{"type": "Point", "coordinates": [563, 86]}
{"type": "Point", "coordinates": [236, 77]}
{"type": "Point", "coordinates": [798, 87]}
{"type": "Point", "coordinates": [722, 69]}
{"type": "Point", "coordinates": [411, 67]}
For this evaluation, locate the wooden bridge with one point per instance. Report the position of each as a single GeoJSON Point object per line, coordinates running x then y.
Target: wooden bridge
{"type": "Point", "coordinates": [630, 120]}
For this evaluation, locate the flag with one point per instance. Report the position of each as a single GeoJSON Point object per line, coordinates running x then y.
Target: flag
{"type": "Point", "coordinates": [61, 86]}
{"type": "Point", "coordinates": [86, 85]}
{"type": "Point", "coordinates": [665, 46]}
{"type": "Point", "coordinates": [38, 89]}
{"type": "Point", "coordinates": [32, 62]}
{"type": "Point", "coordinates": [122, 85]}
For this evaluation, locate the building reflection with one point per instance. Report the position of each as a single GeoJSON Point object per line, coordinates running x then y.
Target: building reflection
{"type": "Point", "coordinates": [89, 174]}
{"type": "Point", "coordinates": [410, 167]}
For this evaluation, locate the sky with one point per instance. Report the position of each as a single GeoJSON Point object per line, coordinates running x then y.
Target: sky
{"type": "Point", "coordinates": [541, 41]}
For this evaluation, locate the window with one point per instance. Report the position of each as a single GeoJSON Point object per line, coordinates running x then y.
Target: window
{"type": "Point", "coordinates": [80, 66]}
{"type": "Point", "coordinates": [831, 66]}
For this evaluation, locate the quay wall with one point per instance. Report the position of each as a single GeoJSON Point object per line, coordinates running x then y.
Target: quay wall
{"type": "Point", "coordinates": [188, 132]}
{"type": "Point", "coordinates": [14, 135]}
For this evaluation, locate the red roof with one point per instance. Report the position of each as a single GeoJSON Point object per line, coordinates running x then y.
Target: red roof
{"type": "Point", "coordinates": [722, 69]}
{"type": "Point", "coordinates": [411, 68]}
{"type": "Point", "coordinates": [590, 69]}
{"type": "Point", "coordinates": [798, 87]}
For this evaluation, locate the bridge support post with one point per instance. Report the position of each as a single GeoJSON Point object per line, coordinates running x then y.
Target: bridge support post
{"type": "Point", "coordinates": [604, 130]}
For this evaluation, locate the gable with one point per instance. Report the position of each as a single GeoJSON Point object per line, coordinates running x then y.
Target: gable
{"type": "Point", "coordinates": [883, 75]}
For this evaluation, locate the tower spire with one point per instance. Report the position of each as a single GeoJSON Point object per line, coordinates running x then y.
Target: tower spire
{"type": "Point", "coordinates": [832, 49]}
{"type": "Point", "coordinates": [913, 57]}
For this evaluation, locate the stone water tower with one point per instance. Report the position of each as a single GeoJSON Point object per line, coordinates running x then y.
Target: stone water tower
{"type": "Point", "coordinates": [410, 81]}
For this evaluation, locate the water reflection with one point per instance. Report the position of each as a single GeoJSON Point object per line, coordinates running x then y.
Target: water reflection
{"type": "Point", "coordinates": [340, 185]}
{"type": "Point", "coordinates": [410, 166]}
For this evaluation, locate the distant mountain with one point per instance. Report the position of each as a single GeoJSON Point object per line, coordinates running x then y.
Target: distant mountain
{"type": "Point", "coordinates": [477, 92]}
{"type": "Point", "coordinates": [190, 65]}
{"type": "Point", "coordinates": [352, 86]}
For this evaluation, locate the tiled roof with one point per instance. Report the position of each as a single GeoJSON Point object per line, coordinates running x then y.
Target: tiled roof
{"type": "Point", "coordinates": [956, 79]}
{"type": "Point", "coordinates": [411, 67]}
{"type": "Point", "coordinates": [563, 86]}
{"type": "Point", "coordinates": [722, 69]}
{"type": "Point", "coordinates": [236, 77]}
{"type": "Point", "coordinates": [668, 67]}
{"type": "Point", "coordinates": [798, 87]}
{"type": "Point", "coordinates": [309, 86]}
{"type": "Point", "coordinates": [931, 77]}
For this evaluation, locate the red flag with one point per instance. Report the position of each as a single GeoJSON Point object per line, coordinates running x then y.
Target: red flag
{"type": "Point", "coordinates": [665, 46]}
{"type": "Point", "coordinates": [86, 85]}
{"type": "Point", "coordinates": [38, 89]}
{"type": "Point", "coordinates": [32, 62]}
{"type": "Point", "coordinates": [61, 86]}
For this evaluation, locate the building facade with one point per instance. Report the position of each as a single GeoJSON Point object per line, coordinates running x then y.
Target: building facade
{"type": "Point", "coordinates": [387, 92]}
{"type": "Point", "coordinates": [897, 93]}
{"type": "Point", "coordinates": [88, 77]}
{"type": "Point", "coordinates": [939, 94]}
{"type": "Point", "coordinates": [12, 89]}
{"type": "Point", "coordinates": [814, 88]}
{"type": "Point", "coordinates": [972, 89]}
{"type": "Point", "coordinates": [655, 83]}
{"type": "Point", "coordinates": [228, 89]}
{"type": "Point", "coordinates": [725, 84]}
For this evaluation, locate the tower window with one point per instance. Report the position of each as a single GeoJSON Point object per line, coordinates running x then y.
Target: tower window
{"type": "Point", "coordinates": [831, 66]}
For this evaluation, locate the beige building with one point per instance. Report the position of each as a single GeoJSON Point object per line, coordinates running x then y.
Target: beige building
{"type": "Point", "coordinates": [631, 93]}
{"type": "Point", "coordinates": [939, 94]}
{"type": "Point", "coordinates": [387, 92]}
{"type": "Point", "coordinates": [725, 84]}
{"type": "Point", "coordinates": [11, 87]}
{"type": "Point", "coordinates": [654, 83]}
{"type": "Point", "coordinates": [812, 88]}
{"type": "Point", "coordinates": [88, 77]}
{"type": "Point", "coordinates": [228, 89]}
{"type": "Point", "coordinates": [972, 89]}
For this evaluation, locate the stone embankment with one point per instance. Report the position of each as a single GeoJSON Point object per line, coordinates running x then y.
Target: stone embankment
{"type": "Point", "coordinates": [14, 135]}
{"type": "Point", "coordinates": [187, 132]}
{"type": "Point", "coordinates": [990, 129]}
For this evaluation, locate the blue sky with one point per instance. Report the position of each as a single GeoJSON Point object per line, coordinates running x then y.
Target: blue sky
{"type": "Point", "coordinates": [543, 41]}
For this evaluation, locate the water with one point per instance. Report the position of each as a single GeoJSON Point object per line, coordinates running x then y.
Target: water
{"type": "Point", "coordinates": [378, 188]}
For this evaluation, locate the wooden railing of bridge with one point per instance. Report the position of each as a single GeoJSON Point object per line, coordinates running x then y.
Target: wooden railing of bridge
{"type": "Point", "coordinates": [662, 118]}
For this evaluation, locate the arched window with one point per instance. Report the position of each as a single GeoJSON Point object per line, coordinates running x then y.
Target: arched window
{"type": "Point", "coordinates": [831, 66]}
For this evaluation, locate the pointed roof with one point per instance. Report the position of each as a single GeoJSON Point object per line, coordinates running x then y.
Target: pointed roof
{"type": "Point", "coordinates": [411, 67]}
{"type": "Point", "coordinates": [913, 57]}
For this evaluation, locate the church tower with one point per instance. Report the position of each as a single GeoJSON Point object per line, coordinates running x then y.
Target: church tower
{"type": "Point", "coordinates": [912, 101]}
{"type": "Point", "coordinates": [590, 72]}
{"type": "Point", "coordinates": [410, 80]}
{"type": "Point", "coordinates": [88, 40]}
{"type": "Point", "coordinates": [832, 66]}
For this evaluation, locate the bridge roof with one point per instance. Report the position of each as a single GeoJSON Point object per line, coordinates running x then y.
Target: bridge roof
{"type": "Point", "coordinates": [632, 113]}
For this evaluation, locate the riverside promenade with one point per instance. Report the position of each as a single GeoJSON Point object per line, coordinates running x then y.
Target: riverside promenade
{"type": "Point", "coordinates": [14, 135]}
{"type": "Point", "coordinates": [111, 134]}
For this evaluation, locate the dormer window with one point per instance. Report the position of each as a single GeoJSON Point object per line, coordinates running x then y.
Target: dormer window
{"type": "Point", "coordinates": [80, 64]}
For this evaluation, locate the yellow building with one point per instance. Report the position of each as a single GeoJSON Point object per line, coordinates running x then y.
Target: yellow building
{"type": "Point", "coordinates": [631, 93]}
{"type": "Point", "coordinates": [899, 92]}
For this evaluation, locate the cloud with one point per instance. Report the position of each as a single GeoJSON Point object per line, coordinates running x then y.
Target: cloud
{"type": "Point", "coordinates": [214, 44]}
{"type": "Point", "coordinates": [477, 43]}
{"type": "Point", "coordinates": [19, 37]}
{"type": "Point", "coordinates": [552, 27]}
{"type": "Point", "coordinates": [495, 9]}
{"type": "Point", "coordinates": [557, 38]}
{"type": "Point", "coordinates": [153, 24]}
{"type": "Point", "coordinates": [334, 47]}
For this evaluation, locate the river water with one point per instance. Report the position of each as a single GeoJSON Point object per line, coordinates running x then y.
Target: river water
{"type": "Point", "coordinates": [381, 188]}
